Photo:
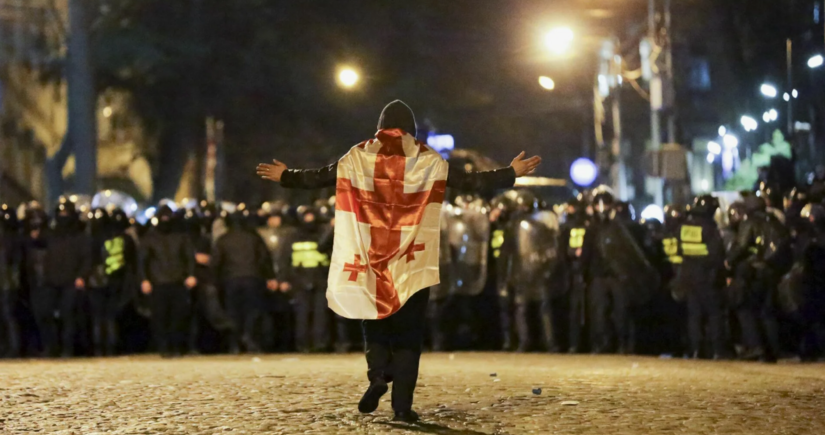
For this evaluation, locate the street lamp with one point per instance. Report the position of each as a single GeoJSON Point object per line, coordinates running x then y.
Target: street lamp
{"type": "Point", "coordinates": [348, 77]}
{"type": "Point", "coordinates": [559, 40]}
{"type": "Point", "coordinates": [768, 90]}
{"type": "Point", "coordinates": [547, 83]}
{"type": "Point", "coordinates": [816, 61]}
{"type": "Point", "coordinates": [748, 123]}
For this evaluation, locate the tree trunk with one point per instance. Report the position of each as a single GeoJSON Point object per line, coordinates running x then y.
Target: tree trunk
{"type": "Point", "coordinates": [82, 98]}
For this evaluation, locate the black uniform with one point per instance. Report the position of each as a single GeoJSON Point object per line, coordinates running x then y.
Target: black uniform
{"type": "Point", "coordinates": [759, 258]}
{"type": "Point", "coordinates": [10, 259]}
{"type": "Point", "coordinates": [242, 264]}
{"type": "Point", "coordinates": [113, 273]}
{"type": "Point", "coordinates": [54, 262]}
{"type": "Point", "coordinates": [576, 248]}
{"type": "Point", "coordinates": [278, 328]}
{"type": "Point", "coordinates": [167, 259]}
{"type": "Point", "coordinates": [702, 276]}
{"type": "Point", "coordinates": [393, 344]}
{"type": "Point", "coordinates": [307, 276]}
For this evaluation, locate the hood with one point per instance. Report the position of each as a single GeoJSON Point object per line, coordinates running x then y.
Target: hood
{"type": "Point", "coordinates": [397, 115]}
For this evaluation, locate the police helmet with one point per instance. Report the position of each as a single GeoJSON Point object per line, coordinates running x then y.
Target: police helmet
{"type": "Point", "coordinates": [120, 220]}
{"type": "Point", "coordinates": [623, 211]}
{"type": "Point", "coordinates": [704, 205]}
{"type": "Point", "coordinates": [602, 201]}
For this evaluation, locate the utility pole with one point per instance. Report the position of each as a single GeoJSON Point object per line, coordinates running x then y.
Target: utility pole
{"type": "Point", "coordinates": [789, 86]}
{"type": "Point", "coordinates": [82, 99]}
{"type": "Point", "coordinates": [655, 107]}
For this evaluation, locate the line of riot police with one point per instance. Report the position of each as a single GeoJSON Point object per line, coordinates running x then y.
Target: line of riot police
{"type": "Point", "coordinates": [193, 278]}
{"type": "Point", "coordinates": [745, 282]}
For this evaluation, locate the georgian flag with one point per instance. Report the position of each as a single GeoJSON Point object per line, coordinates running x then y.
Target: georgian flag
{"type": "Point", "coordinates": [387, 223]}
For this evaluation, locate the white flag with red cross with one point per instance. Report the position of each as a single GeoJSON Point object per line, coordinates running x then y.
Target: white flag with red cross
{"type": "Point", "coordinates": [387, 223]}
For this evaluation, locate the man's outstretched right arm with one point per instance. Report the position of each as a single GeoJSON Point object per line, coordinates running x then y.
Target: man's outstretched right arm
{"type": "Point", "coordinates": [299, 178]}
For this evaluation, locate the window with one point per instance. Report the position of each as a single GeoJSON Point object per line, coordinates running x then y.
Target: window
{"type": "Point", "coordinates": [699, 75]}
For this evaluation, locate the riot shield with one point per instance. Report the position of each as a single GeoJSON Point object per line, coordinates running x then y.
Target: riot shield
{"type": "Point", "coordinates": [442, 290]}
{"type": "Point", "coordinates": [627, 261]}
{"type": "Point", "coordinates": [468, 235]}
{"type": "Point", "coordinates": [536, 254]}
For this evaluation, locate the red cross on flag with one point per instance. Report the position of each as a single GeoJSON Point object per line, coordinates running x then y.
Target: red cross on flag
{"type": "Point", "coordinates": [387, 223]}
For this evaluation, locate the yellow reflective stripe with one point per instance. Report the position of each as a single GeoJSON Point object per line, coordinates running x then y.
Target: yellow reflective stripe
{"type": "Point", "coordinates": [695, 249]}
{"type": "Point", "coordinates": [691, 234]}
{"type": "Point", "coordinates": [577, 237]}
{"type": "Point", "coordinates": [306, 255]}
{"type": "Point", "coordinates": [496, 253]}
{"type": "Point", "coordinates": [671, 246]}
{"type": "Point", "coordinates": [675, 259]}
{"type": "Point", "coordinates": [497, 240]}
{"type": "Point", "coordinates": [114, 259]}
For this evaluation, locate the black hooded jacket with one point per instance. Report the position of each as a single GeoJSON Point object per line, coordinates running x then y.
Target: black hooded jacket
{"type": "Point", "coordinates": [241, 253]}
{"type": "Point", "coordinates": [166, 257]}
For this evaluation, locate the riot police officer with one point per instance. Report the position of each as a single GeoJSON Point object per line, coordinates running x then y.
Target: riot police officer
{"type": "Point", "coordinates": [702, 276]}
{"type": "Point", "coordinates": [502, 209]}
{"type": "Point", "coordinates": [114, 264]}
{"type": "Point", "coordinates": [167, 269]}
{"type": "Point", "coordinates": [813, 261]}
{"type": "Point", "coordinates": [608, 304]}
{"type": "Point", "coordinates": [759, 257]}
{"type": "Point", "coordinates": [576, 248]}
{"type": "Point", "coordinates": [277, 317]}
{"type": "Point", "coordinates": [64, 262]}
{"type": "Point", "coordinates": [242, 264]}
{"type": "Point", "coordinates": [10, 258]}
{"type": "Point", "coordinates": [307, 277]}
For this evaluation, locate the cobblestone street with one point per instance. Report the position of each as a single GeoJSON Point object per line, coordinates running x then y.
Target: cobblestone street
{"type": "Point", "coordinates": [458, 394]}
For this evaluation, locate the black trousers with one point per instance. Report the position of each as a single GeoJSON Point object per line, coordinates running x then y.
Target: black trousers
{"type": "Point", "coordinates": [393, 348]}
{"type": "Point", "coordinates": [45, 302]}
{"type": "Point", "coordinates": [577, 299]}
{"type": "Point", "coordinates": [278, 332]}
{"type": "Point", "coordinates": [244, 302]}
{"type": "Point", "coordinates": [170, 317]}
{"type": "Point", "coordinates": [9, 331]}
{"type": "Point", "coordinates": [758, 314]}
{"type": "Point", "coordinates": [312, 317]}
{"type": "Point", "coordinates": [704, 307]}
{"type": "Point", "coordinates": [105, 305]}
{"type": "Point", "coordinates": [608, 307]}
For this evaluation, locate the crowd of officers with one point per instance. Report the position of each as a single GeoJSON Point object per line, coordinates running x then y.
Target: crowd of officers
{"type": "Point", "coordinates": [746, 282]}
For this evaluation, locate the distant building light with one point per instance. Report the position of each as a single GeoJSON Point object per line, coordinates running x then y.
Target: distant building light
{"type": "Point", "coordinates": [711, 158]}
{"type": "Point", "coordinates": [795, 94]}
{"type": "Point", "coordinates": [801, 126]}
{"type": "Point", "coordinates": [107, 111]}
{"type": "Point", "coordinates": [722, 130]}
{"type": "Point", "coordinates": [768, 90]}
{"type": "Point", "coordinates": [773, 114]}
{"type": "Point", "coordinates": [786, 97]}
{"type": "Point", "coordinates": [653, 211]}
{"type": "Point", "coordinates": [714, 148]}
{"type": "Point", "coordinates": [816, 61]}
{"type": "Point", "coordinates": [441, 142]}
{"type": "Point", "coordinates": [730, 141]}
{"type": "Point", "coordinates": [705, 185]}
{"type": "Point", "coordinates": [583, 172]}
{"type": "Point", "coordinates": [766, 117]}
{"type": "Point", "coordinates": [748, 123]}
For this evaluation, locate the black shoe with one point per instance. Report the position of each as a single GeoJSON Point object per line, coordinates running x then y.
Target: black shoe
{"type": "Point", "coordinates": [369, 403]}
{"type": "Point", "coordinates": [406, 416]}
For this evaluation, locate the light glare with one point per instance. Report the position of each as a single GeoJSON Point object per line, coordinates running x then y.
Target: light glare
{"type": "Point", "coordinates": [714, 148]}
{"type": "Point", "coordinates": [558, 40]}
{"type": "Point", "coordinates": [768, 90]}
{"type": "Point", "coordinates": [348, 77]}
{"type": "Point", "coordinates": [748, 123]}
{"type": "Point", "coordinates": [722, 130]}
{"type": "Point", "coordinates": [816, 61]}
{"type": "Point", "coordinates": [730, 141]}
{"type": "Point", "coordinates": [547, 83]}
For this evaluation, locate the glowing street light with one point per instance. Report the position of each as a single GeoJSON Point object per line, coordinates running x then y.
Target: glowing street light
{"type": "Point", "coordinates": [768, 90]}
{"type": "Point", "coordinates": [547, 83]}
{"type": "Point", "coordinates": [730, 141]}
{"type": "Point", "coordinates": [714, 148]}
{"type": "Point", "coordinates": [559, 40]}
{"type": "Point", "coordinates": [748, 123]}
{"type": "Point", "coordinates": [816, 61]}
{"type": "Point", "coordinates": [348, 77]}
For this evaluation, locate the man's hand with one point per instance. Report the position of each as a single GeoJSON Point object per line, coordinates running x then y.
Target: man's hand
{"type": "Point", "coordinates": [79, 284]}
{"type": "Point", "coordinates": [524, 166]}
{"type": "Point", "coordinates": [191, 282]}
{"type": "Point", "coordinates": [146, 287]}
{"type": "Point", "coordinates": [284, 287]}
{"type": "Point", "coordinates": [202, 259]}
{"type": "Point", "coordinates": [272, 285]}
{"type": "Point", "coordinates": [271, 172]}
